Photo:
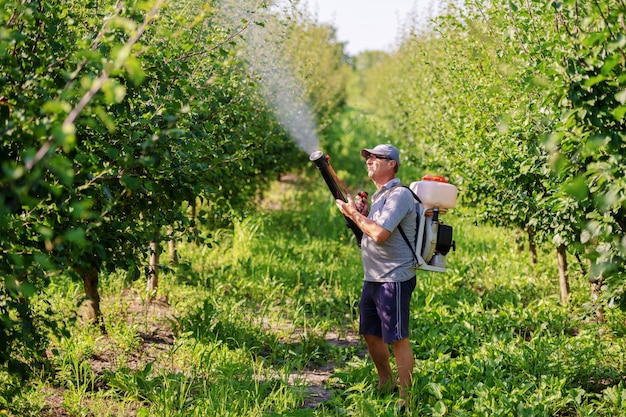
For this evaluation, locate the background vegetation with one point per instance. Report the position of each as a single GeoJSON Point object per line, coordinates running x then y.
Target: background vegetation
{"type": "Point", "coordinates": [129, 125]}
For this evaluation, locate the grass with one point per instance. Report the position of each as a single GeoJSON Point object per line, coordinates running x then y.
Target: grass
{"type": "Point", "coordinates": [241, 328]}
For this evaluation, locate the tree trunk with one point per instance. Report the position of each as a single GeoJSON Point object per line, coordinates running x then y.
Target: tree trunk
{"type": "Point", "coordinates": [171, 246]}
{"type": "Point", "coordinates": [563, 277]}
{"type": "Point", "coordinates": [532, 247]}
{"type": "Point", "coordinates": [91, 306]}
{"type": "Point", "coordinates": [153, 269]}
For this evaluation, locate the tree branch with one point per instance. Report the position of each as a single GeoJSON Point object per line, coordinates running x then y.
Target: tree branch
{"type": "Point", "coordinates": [68, 123]}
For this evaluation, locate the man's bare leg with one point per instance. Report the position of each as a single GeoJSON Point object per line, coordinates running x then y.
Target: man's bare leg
{"type": "Point", "coordinates": [404, 362]}
{"type": "Point", "coordinates": [379, 352]}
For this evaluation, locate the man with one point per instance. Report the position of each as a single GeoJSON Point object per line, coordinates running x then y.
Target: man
{"type": "Point", "coordinates": [389, 274]}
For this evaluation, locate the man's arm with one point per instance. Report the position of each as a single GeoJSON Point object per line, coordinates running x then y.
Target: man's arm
{"type": "Point", "coordinates": [368, 226]}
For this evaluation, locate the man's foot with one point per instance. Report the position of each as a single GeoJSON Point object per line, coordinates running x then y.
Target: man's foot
{"type": "Point", "coordinates": [387, 387]}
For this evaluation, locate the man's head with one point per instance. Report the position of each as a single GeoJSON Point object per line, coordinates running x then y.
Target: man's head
{"type": "Point", "coordinates": [382, 163]}
{"type": "Point", "coordinates": [385, 152]}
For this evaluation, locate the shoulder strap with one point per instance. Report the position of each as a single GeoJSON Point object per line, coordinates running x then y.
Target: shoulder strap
{"type": "Point", "coordinates": [414, 195]}
{"type": "Point", "coordinates": [408, 188]}
{"type": "Point", "coordinates": [406, 239]}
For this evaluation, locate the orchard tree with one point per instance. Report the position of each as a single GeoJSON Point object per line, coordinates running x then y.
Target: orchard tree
{"type": "Point", "coordinates": [484, 91]}
{"type": "Point", "coordinates": [113, 118]}
{"type": "Point", "coordinates": [589, 141]}
{"type": "Point", "coordinates": [471, 100]}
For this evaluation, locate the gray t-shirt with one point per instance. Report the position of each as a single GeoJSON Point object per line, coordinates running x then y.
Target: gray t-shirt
{"type": "Point", "coordinates": [391, 260]}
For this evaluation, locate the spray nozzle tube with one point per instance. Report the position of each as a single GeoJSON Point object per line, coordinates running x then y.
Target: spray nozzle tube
{"type": "Point", "coordinates": [322, 162]}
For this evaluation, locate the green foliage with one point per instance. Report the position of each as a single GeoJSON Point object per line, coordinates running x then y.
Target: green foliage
{"type": "Point", "coordinates": [520, 104]}
{"type": "Point", "coordinates": [320, 66]}
{"type": "Point", "coordinates": [276, 296]}
{"type": "Point", "coordinates": [589, 139]}
{"type": "Point", "coordinates": [123, 119]}
{"type": "Point", "coordinates": [114, 119]}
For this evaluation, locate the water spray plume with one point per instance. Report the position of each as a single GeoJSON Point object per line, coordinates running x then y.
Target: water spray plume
{"type": "Point", "coordinates": [268, 62]}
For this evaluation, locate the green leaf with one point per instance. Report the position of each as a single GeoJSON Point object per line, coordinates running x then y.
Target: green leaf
{"type": "Point", "coordinates": [80, 209]}
{"type": "Point", "coordinates": [134, 70]}
{"type": "Point", "coordinates": [75, 235]}
{"type": "Point", "coordinates": [595, 80]}
{"type": "Point", "coordinates": [577, 188]}
{"type": "Point", "coordinates": [65, 135]}
{"type": "Point", "coordinates": [62, 168]}
{"type": "Point", "coordinates": [610, 63]}
{"type": "Point", "coordinates": [105, 118]}
{"type": "Point", "coordinates": [435, 389]}
{"type": "Point", "coordinates": [27, 289]}
{"type": "Point", "coordinates": [621, 97]}
{"type": "Point", "coordinates": [440, 408]}
{"type": "Point", "coordinates": [44, 261]}
{"type": "Point", "coordinates": [619, 112]}
{"type": "Point", "coordinates": [55, 107]}
{"type": "Point", "coordinates": [130, 182]}
{"type": "Point", "coordinates": [113, 91]}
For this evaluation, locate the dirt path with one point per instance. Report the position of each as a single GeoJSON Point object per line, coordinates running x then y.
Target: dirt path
{"type": "Point", "coordinates": [315, 379]}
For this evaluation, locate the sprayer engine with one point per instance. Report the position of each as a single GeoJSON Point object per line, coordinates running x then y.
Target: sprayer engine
{"type": "Point", "coordinates": [434, 238]}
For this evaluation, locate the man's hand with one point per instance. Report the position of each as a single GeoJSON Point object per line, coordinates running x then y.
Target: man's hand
{"type": "Point", "coordinates": [347, 208]}
{"type": "Point", "coordinates": [361, 203]}
{"type": "Point", "coordinates": [368, 226]}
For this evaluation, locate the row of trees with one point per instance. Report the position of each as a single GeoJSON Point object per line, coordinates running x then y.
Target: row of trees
{"type": "Point", "coordinates": [522, 104]}
{"type": "Point", "coordinates": [124, 123]}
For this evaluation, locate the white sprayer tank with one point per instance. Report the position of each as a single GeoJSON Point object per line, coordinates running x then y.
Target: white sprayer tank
{"type": "Point", "coordinates": [435, 191]}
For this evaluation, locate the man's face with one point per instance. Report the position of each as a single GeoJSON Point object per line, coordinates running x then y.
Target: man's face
{"type": "Point", "coordinates": [379, 166]}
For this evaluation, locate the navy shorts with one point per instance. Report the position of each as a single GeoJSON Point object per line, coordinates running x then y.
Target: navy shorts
{"type": "Point", "coordinates": [384, 309]}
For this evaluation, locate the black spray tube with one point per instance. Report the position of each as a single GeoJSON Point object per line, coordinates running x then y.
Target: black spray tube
{"type": "Point", "coordinates": [335, 187]}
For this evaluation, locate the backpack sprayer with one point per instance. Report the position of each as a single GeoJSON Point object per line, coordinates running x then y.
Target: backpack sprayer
{"type": "Point", "coordinates": [434, 196]}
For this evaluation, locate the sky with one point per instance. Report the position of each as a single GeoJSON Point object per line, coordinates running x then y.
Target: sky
{"type": "Point", "coordinates": [370, 24]}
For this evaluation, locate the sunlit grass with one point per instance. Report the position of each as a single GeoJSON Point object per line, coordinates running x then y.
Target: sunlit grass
{"type": "Point", "coordinates": [232, 325]}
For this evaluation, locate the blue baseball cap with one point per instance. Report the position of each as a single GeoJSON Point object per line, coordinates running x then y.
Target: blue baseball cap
{"type": "Point", "coordinates": [385, 149]}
